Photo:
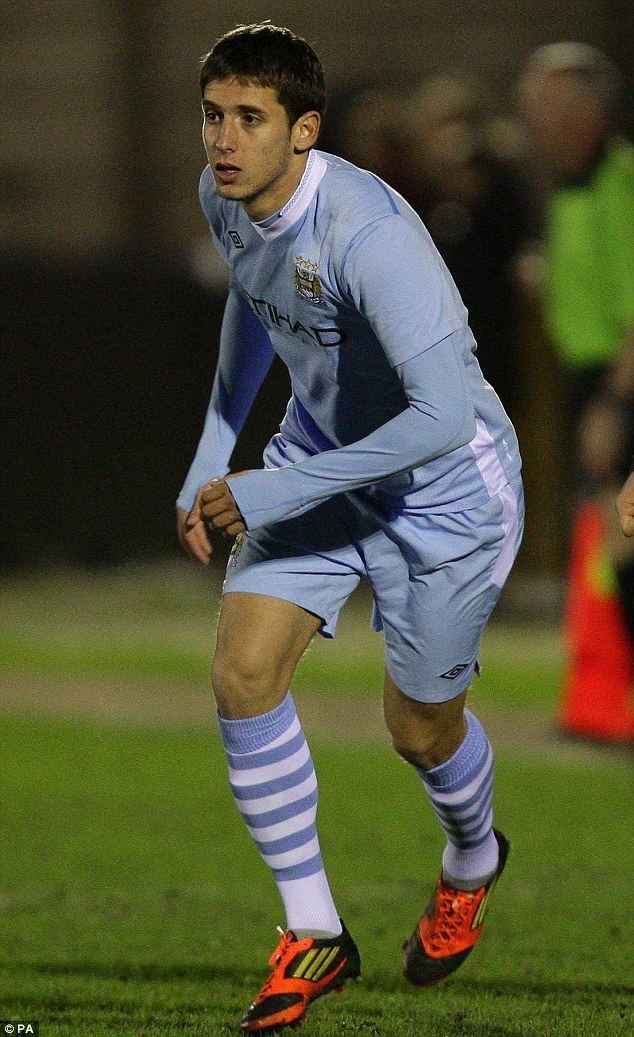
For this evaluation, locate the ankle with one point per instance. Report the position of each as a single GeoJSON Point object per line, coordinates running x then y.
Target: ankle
{"type": "Point", "coordinates": [471, 868]}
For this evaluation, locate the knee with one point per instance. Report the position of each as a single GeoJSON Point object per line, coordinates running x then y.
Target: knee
{"type": "Point", "coordinates": [428, 736]}
{"type": "Point", "coordinates": [245, 682]}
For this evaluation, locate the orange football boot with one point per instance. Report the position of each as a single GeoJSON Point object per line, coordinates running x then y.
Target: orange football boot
{"type": "Point", "coordinates": [450, 927]}
{"type": "Point", "coordinates": [302, 970]}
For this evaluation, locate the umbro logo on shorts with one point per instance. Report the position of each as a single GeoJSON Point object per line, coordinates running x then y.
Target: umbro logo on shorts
{"type": "Point", "coordinates": [237, 240]}
{"type": "Point", "coordinates": [455, 671]}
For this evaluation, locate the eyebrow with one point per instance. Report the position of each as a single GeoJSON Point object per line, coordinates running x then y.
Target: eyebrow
{"type": "Point", "coordinates": [242, 108]}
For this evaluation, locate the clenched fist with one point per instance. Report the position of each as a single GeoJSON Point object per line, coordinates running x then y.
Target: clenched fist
{"type": "Point", "coordinates": [215, 508]}
{"type": "Point", "coordinates": [219, 509]}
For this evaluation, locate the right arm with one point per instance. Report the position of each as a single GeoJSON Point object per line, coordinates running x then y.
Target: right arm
{"type": "Point", "coordinates": [245, 356]}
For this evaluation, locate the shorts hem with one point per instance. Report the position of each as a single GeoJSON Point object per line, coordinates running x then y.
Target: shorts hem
{"type": "Point", "coordinates": [328, 626]}
{"type": "Point", "coordinates": [438, 694]}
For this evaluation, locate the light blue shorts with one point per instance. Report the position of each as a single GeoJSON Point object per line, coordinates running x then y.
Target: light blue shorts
{"type": "Point", "coordinates": [435, 578]}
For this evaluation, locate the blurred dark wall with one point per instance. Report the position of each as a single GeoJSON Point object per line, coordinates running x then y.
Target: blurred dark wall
{"type": "Point", "coordinates": [111, 366]}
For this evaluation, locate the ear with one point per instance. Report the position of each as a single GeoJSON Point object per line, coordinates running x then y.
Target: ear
{"type": "Point", "coordinates": [305, 131]}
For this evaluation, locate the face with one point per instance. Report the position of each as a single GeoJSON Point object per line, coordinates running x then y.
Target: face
{"type": "Point", "coordinates": [566, 123]}
{"type": "Point", "coordinates": [255, 157]}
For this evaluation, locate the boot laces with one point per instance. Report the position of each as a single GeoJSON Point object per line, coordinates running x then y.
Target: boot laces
{"type": "Point", "coordinates": [452, 912]}
{"type": "Point", "coordinates": [286, 939]}
{"type": "Point", "coordinates": [277, 958]}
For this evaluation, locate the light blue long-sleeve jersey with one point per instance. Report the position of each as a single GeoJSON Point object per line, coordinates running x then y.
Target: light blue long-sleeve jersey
{"type": "Point", "coordinates": [346, 285]}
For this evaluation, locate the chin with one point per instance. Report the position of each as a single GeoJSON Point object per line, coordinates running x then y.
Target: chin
{"type": "Point", "coordinates": [231, 191]}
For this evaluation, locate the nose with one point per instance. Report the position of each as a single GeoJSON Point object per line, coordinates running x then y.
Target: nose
{"type": "Point", "coordinates": [225, 141]}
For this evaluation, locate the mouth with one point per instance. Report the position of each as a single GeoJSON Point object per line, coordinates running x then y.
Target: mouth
{"type": "Point", "coordinates": [226, 173]}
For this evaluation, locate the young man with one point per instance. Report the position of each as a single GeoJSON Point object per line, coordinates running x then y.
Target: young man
{"type": "Point", "coordinates": [395, 461]}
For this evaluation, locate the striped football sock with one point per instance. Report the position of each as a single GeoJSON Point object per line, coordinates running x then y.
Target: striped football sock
{"type": "Point", "coordinates": [275, 788]}
{"type": "Point", "coordinates": [461, 794]}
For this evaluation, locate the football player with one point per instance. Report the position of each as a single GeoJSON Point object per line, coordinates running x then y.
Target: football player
{"type": "Point", "coordinates": [395, 462]}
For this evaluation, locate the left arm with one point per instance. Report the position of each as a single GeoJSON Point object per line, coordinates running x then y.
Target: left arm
{"type": "Point", "coordinates": [439, 419]}
{"type": "Point", "coordinates": [603, 424]}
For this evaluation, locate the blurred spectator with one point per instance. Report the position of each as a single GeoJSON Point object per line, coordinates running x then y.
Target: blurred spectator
{"type": "Point", "coordinates": [569, 97]}
{"type": "Point", "coordinates": [472, 198]}
{"type": "Point", "coordinates": [371, 133]}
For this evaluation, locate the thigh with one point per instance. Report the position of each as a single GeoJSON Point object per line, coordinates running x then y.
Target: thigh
{"type": "Point", "coordinates": [310, 561]}
{"type": "Point", "coordinates": [437, 586]}
{"type": "Point", "coordinates": [261, 639]}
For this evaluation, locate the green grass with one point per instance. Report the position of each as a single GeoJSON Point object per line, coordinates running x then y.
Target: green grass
{"type": "Point", "coordinates": [133, 902]}
{"type": "Point", "coordinates": [159, 624]}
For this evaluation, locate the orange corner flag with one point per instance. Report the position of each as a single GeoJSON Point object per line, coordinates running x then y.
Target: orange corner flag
{"type": "Point", "coordinates": [599, 679]}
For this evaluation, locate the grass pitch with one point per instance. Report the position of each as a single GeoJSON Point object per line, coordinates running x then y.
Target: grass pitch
{"type": "Point", "coordinates": [133, 902]}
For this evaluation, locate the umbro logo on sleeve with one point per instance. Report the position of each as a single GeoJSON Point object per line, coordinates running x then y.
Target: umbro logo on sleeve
{"type": "Point", "coordinates": [237, 240]}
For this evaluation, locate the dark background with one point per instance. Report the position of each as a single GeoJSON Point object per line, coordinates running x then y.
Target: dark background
{"type": "Point", "coordinates": [111, 300]}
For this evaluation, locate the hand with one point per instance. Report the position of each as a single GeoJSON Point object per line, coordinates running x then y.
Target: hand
{"type": "Point", "coordinates": [625, 506]}
{"type": "Point", "coordinates": [219, 509]}
{"type": "Point", "coordinates": [192, 532]}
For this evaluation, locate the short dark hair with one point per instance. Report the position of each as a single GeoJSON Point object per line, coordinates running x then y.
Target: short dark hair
{"type": "Point", "coordinates": [269, 56]}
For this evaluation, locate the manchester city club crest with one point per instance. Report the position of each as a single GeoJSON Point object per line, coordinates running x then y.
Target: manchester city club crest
{"type": "Point", "coordinates": [307, 283]}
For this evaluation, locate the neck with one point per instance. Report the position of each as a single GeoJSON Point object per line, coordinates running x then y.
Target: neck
{"type": "Point", "coordinates": [275, 196]}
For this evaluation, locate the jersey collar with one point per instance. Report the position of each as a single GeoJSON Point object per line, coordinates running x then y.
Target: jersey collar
{"type": "Point", "coordinates": [298, 203]}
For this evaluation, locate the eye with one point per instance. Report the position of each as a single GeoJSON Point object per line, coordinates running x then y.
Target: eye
{"type": "Point", "coordinates": [211, 116]}
{"type": "Point", "coordinates": [251, 119]}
